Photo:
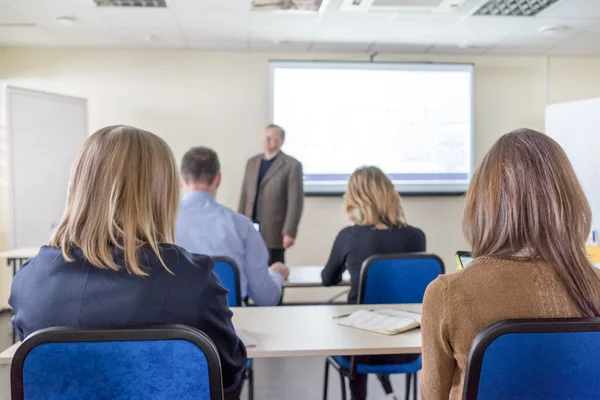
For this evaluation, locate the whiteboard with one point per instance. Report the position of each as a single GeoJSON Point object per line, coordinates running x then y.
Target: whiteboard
{"type": "Point", "coordinates": [576, 127]}
{"type": "Point", "coordinates": [45, 132]}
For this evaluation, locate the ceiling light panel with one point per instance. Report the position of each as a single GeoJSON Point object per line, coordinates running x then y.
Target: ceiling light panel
{"type": "Point", "coordinates": [514, 8]}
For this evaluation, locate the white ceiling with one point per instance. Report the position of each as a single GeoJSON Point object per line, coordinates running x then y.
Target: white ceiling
{"type": "Point", "coordinates": [229, 25]}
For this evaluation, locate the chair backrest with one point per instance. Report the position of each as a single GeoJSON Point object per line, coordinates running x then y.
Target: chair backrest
{"type": "Point", "coordinates": [535, 359]}
{"type": "Point", "coordinates": [160, 362]}
{"type": "Point", "coordinates": [229, 274]}
{"type": "Point", "coordinates": [397, 278]}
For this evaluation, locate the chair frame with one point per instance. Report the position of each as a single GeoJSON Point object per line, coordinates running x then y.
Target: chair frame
{"type": "Point", "coordinates": [249, 372]}
{"type": "Point", "coordinates": [142, 333]}
{"type": "Point", "coordinates": [236, 271]}
{"type": "Point", "coordinates": [362, 288]}
{"type": "Point", "coordinates": [533, 325]}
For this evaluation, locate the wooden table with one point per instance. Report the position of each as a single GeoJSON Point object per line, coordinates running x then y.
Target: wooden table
{"type": "Point", "coordinates": [307, 277]}
{"type": "Point", "coordinates": [297, 331]}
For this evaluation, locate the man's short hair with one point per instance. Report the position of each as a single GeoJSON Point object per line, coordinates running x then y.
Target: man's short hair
{"type": "Point", "coordinates": [281, 130]}
{"type": "Point", "coordinates": [200, 165]}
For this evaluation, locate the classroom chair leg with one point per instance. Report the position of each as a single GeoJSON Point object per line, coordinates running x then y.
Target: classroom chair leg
{"type": "Point", "coordinates": [250, 377]}
{"type": "Point", "coordinates": [326, 379]}
{"type": "Point", "coordinates": [408, 379]}
{"type": "Point", "coordinates": [415, 387]}
{"type": "Point", "coordinates": [343, 385]}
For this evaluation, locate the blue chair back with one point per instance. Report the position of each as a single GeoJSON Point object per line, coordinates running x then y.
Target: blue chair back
{"type": "Point", "coordinates": [229, 274]}
{"type": "Point", "coordinates": [535, 359]}
{"type": "Point", "coordinates": [162, 362]}
{"type": "Point", "coordinates": [397, 278]}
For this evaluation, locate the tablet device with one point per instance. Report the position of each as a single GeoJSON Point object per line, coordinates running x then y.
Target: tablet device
{"type": "Point", "coordinates": [463, 259]}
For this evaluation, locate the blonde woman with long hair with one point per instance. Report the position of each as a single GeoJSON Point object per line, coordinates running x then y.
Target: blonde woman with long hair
{"type": "Point", "coordinates": [379, 227]}
{"type": "Point", "coordinates": [111, 261]}
{"type": "Point", "coordinates": [527, 220]}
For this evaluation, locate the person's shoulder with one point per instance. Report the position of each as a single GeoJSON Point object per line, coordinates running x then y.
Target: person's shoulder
{"type": "Point", "coordinates": [289, 159]}
{"type": "Point", "coordinates": [181, 261]}
{"type": "Point", "coordinates": [414, 230]}
{"type": "Point", "coordinates": [254, 158]}
{"type": "Point", "coordinates": [47, 256]}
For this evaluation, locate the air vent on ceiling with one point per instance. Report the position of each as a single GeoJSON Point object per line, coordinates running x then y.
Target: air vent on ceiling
{"type": "Point", "coordinates": [514, 8]}
{"type": "Point", "coordinates": [131, 3]}
{"type": "Point", "coordinates": [401, 6]}
{"type": "Point", "coordinates": [291, 5]}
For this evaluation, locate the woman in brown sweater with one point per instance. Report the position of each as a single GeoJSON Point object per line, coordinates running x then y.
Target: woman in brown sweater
{"type": "Point", "coordinates": [527, 220]}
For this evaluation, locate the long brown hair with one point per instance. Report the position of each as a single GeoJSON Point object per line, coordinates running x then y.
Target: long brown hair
{"type": "Point", "coordinates": [371, 199]}
{"type": "Point", "coordinates": [123, 194]}
{"type": "Point", "coordinates": [525, 199]}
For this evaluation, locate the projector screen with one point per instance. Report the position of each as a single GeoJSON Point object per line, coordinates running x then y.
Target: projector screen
{"type": "Point", "coordinates": [414, 121]}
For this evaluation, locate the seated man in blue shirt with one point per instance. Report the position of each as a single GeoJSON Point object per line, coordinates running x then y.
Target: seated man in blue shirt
{"type": "Point", "coordinates": [207, 227]}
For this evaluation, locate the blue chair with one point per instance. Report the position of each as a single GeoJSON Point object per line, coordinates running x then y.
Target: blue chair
{"type": "Point", "coordinates": [389, 279]}
{"type": "Point", "coordinates": [166, 362]}
{"type": "Point", "coordinates": [229, 274]}
{"type": "Point", "coordinates": [546, 359]}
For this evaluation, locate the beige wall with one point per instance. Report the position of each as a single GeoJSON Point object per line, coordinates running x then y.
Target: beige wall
{"type": "Point", "coordinates": [221, 100]}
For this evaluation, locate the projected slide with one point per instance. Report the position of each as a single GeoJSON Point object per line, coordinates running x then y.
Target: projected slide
{"type": "Point", "coordinates": [414, 121]}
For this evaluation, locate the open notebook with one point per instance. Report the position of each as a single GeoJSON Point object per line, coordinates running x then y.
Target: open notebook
{"type": "Point", "coordinates": [386, 321]}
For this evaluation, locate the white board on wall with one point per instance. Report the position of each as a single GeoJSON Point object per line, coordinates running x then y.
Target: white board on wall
{"type": "Point", "coordinates": [576, 127]}
{"type": "Point", "coordinates": [45, 132]}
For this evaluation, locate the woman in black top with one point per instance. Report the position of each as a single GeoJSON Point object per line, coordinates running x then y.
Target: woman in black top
{"type": "Point", "coordinates": [380, 227]}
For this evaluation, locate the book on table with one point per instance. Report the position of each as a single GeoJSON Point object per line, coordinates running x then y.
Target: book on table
{"type": "Point", "coordinates": [385, 321]}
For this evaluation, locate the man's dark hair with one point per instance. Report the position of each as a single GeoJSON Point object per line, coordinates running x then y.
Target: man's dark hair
{"type": "Point", "coordinates": [281, 130]}
{"type": "Point", "coordinates": [200, 165]}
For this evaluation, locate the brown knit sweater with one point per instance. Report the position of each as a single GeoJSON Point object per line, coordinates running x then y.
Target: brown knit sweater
{"type": "Point", "coordinates": [458, 306]}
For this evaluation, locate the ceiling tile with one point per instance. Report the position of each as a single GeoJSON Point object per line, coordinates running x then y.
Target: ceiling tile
{"type": "Point", "coordinates": [210, 5]}
{"type": "Point", "coordinates": [9, 15]}
{"type": "Point", "coordinates": [335, 47]}
{"type": "Point", "coordinates": [151, 39]}
{"type": "Point", "coordinates": [215, 21]}
{"type": "Point", "coordinates": [132, 17]}
{"type": "Point", "coordinates": [46, 16]}
{"type": "Point", "coordinates": [82, 37]}
{"type": "Point", "coordinates": [573, 9]}
{"type": "Point", "coordinates": [525, 45]}
{"type": "Point", "coordinates": [279, 47]}
{"type": "Point", "coordinates": [401, 48]}
{"type": "Point", "coordinates": [489, 26]}
{"type": "Point", "coordinates": [452, 49]}
{"type": "Point", "coordinates": [215, 41]}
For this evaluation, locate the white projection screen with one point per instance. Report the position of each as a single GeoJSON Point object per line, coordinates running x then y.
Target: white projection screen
{"type": "Point", "coordinates": [412, 120]}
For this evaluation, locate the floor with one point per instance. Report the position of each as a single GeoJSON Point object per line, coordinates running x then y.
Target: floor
{"type": "Point", "coordinates": [299, 378]}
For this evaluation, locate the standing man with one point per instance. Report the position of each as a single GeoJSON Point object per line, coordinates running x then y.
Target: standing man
{"type": "Point", "coordinates": [272, 194]}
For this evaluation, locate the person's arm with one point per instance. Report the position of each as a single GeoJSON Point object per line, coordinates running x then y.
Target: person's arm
{"type": "Point", "coordinates": [438, 360]}
{"type": "Point", "coordinates": [243, 197]}
{"type": "Point", "coordinates": [332, 273]}
{"type": "Point", "coordinates": [295, 201]}
{"type": "Point", "coordinates": [264, 286]}
{"type": "Point", "coordinates": [214, 319]}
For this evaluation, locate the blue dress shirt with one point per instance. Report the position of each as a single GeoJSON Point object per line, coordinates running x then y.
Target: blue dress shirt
{"type": "Point", "coordinates": [207, 227]}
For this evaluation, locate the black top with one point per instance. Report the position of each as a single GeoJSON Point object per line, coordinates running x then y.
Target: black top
{"type": "Point", "coordinates": [48, 291]}
{"type": "Point", "coordinates": [264, 167]}
{"type": "Point", "coordinates": [354, 244]}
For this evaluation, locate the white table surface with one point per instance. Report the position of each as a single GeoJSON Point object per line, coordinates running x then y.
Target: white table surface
{"type": "Point", "coordinates": [23, 252]}
{"type": "Point", "coordinates": [310, 276]}
{"type": "Point", "coordinates": [295, 331]}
